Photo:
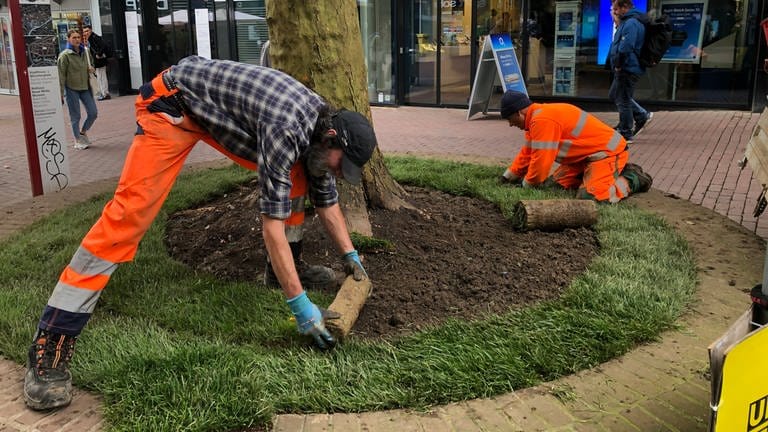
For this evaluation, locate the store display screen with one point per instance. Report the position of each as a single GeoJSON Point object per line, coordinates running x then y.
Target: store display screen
{"type": "Point", "coordinates": [605, 32]}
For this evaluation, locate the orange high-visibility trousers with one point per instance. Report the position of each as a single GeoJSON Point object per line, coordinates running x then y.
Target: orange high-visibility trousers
{"type": "Point", "coordinates": [154, 160]}
{"type": "Point", "coordinates": [598, 180]}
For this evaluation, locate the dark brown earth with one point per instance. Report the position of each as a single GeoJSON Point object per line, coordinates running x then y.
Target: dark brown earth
{"type": "Point", "coordinates": [457, 258]}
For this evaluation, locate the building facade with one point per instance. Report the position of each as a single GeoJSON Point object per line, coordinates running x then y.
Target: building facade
{"type": "Point", "coordinates": [426, 52]}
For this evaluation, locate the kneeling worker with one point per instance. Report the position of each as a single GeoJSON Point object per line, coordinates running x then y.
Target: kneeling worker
{"type": "Point", "coordinates": [592, 155]}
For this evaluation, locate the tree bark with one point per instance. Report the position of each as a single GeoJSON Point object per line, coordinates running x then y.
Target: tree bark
{"type": "Point", "coordinates": [554, 215]}
{"type": "Point", "coordinates": [319, 43]}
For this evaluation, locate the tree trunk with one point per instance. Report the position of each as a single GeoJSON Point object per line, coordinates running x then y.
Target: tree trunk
{"type": "Point", "coordinates": [319, 43]}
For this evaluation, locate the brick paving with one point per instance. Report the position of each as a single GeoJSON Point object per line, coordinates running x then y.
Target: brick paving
{"type": "Point", "coordinates": [661, 386]}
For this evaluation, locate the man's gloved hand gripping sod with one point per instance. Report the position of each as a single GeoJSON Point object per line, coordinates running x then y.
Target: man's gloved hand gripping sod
{"type": "Point", "coordinates": [353, 266]}
{"type": "Point", "coordinates": [310, 319]}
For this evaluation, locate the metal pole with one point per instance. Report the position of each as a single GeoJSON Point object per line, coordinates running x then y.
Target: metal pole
{"type": "Point", "coordinates": [25, 98]}
{"type": "Point", "coordinates": [674, 82]}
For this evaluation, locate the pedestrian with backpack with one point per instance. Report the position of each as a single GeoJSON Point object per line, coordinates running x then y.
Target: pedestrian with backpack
{"type": "Point", "coordinates": [627, 69]}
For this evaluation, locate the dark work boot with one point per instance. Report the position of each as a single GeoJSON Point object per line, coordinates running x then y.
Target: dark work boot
{"type": "Point", "coordinates": [639, 181]}
{"type": "Point", "coordinates": [311, 276]}
{"type": "Point", "coordinates": [48, 382]}
{"type": "Point", "coordinates": [315, 276]}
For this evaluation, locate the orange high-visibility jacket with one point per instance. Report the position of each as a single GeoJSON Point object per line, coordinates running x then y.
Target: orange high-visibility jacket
{"type": "Point", "coordinates": [563, 133]}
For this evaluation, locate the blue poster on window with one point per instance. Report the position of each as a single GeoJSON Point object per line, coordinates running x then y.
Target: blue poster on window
{"type": "Point", "coordinates": [506, 62]}
{"type": "Point", "coordinates": [605, 26]}
{"type": "Point", "coordinates": [497, 65]}
{"type": "Point", "coordinates": [687, 19]}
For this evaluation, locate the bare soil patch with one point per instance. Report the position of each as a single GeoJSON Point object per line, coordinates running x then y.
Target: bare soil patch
{"type": "Point", "coordinates": [456, 258]}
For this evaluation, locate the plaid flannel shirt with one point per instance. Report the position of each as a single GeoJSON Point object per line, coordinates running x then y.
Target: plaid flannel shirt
{"type": "Point", "coordinates": [261, 115]}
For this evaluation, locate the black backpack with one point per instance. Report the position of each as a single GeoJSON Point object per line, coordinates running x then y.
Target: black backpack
{"type": "Point", "coordinates": [658, 36]}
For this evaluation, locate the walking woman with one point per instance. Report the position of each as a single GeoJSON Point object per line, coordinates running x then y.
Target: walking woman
{"type": "Point", "coordinates": [74, 66]}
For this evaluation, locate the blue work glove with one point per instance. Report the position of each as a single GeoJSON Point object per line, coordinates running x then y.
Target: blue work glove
{"type": "Point", "coordinates": [353, 266]}
{"type": "Point", "coordinates": [310, 320]}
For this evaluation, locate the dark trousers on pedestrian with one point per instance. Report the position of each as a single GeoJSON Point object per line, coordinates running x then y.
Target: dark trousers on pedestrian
{"type": "Point", "coordinates": [622, 93]}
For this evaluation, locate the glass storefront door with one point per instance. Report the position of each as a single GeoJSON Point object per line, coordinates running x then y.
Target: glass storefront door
{"type": "Point", "coordinates": [7, 63]}
{"type": "Point", "coordinates": [435, 52]}
{"type": "Point", "coordinates": [152, 40]}
{"type": "Point", "coordinates": [376, 29]}
{"type": "Point", "coordinates": [496, 17]}
{"type": "Point", "coordinates": [251, 29]}
{"type": "Point", "coordinates": [419, 51]}
{"type": "Point", "coordinates": [455, 51]}
{"type": "Point", "coordinates": [438, 45]}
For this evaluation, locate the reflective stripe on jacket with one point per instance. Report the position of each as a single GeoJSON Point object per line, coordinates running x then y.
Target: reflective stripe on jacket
{"type": "Point", "coordinates": [563, 133]}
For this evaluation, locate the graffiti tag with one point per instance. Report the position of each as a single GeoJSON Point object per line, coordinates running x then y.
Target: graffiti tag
{"type": "Point", "coordinates": [51, 151]}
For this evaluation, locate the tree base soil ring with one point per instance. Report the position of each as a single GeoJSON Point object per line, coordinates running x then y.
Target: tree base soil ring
{"type": "Point", "coordinates": [456, 257]}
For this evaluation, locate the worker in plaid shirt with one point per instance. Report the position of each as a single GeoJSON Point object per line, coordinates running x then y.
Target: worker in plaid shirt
{"type": "Point", "coordinates": [262, 119]}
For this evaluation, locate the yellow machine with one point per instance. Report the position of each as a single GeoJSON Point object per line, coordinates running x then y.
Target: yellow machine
{"type": "Point", "coordinates": [739, 359]}
{"type": "Point", "coordinates": [740, 377]}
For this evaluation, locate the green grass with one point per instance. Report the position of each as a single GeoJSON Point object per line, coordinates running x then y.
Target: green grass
{"type": "Point", "coordinates": [171, 349]}
{"type": "Point", "coordinates": [367, 244]}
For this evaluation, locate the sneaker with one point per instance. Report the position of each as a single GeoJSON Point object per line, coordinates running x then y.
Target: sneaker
{"type": "Point", "coordinates": [311, 276]}
{"type": "Point", "coordinates": [107, 97]}
{"type": "Point", "coordinates": [82, 142]}
{"type": "Point", "coordinates": [639, 181]}
{"type": "Point", "coordinates": [48, 382]}
{"type": "Point", "coordinates": [629, 140]}
{"type": "Point", "coordinates": [643, 123]}
{"type": "Point", "coordinates": [84, 139]}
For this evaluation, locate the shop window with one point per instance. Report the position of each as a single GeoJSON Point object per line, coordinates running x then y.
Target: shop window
{"type": "Point", "coordinates": [251, 29]}
{"type": "Point", "coordinates": [501, 16]}
{"type": "Point", "coordinates": [376, 30]}
{"type": "Point", "coordinates": [711, 61]}
{"type": "Point", "coordinates": [69, 20]}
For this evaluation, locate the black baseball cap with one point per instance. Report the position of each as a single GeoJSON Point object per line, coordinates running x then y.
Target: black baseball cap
{"type": "Point", "coordinates": [513, 101]}
{"type": "Point", "coordinates": [357, 139]}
